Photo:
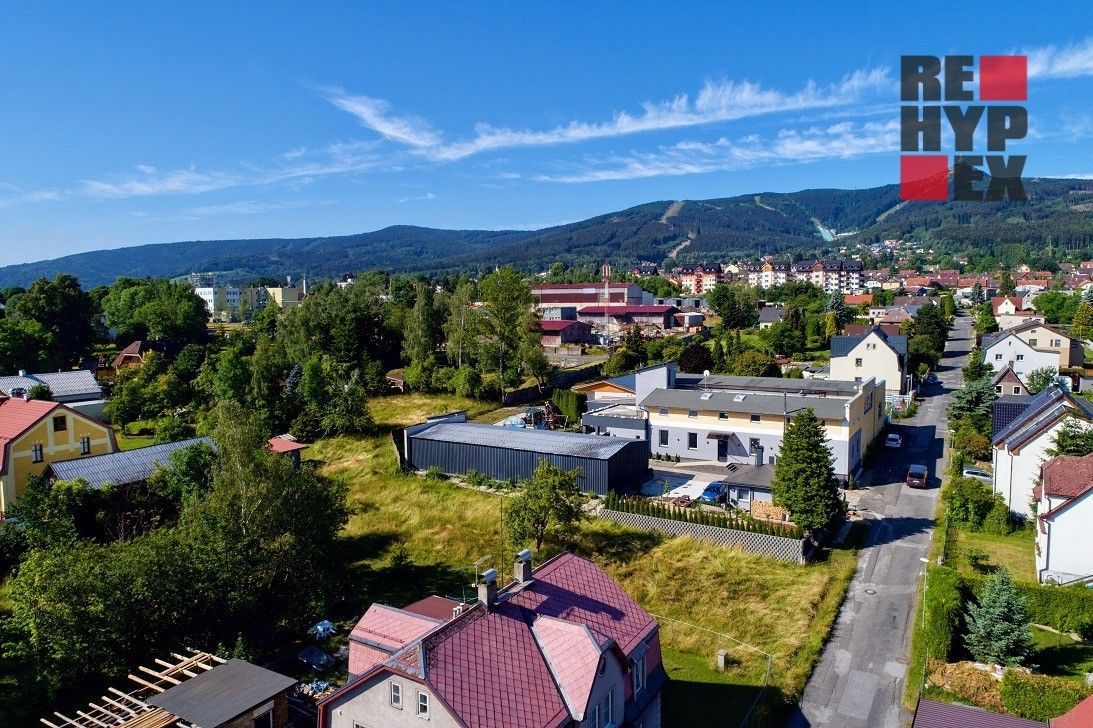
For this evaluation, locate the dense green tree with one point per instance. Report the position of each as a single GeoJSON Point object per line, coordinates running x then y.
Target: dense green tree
{"type": "Point", "coordinates": [735, 303]}
{"type": "Point", "coordinates": [660, 287]}
{"type": "Point", "coordinates": [1082, 323]}
{"type": "Point", "coordinates": [65, 311]}
{"type": "Point", "coordinates": [549, 500]}
{"type": "Point", "coordinates": [155, 309]}
{"type": "Point", "coordinates": [695, 359]}
{"type": "Point", "coordinates": [753, 363]}
{"type": "Point", "coordinates": [804, 476]}
{"type": "Point", "coordinates": [968, 501]}
{"type": "Point", "coordinates": [1006, 286]}
{"type": "Point", "coordinates": [1040, 379]}
{"type": "Point", "coordinates": [1057, 307]}
{"type": "Point", "coordinates": [1074, 438]}
{"type": "Point", "coordinates": [998, 623]}
{"type": "Point", "coordinates": [507, 299]}
{"type": "Point", "coordinates": [783, 339]}
{"type": "Point", "coordinates": [422, 330]}
{"type": "Point", "coordinates": [26, 344]}
{"type": "Point", "coordinates": [974, 401]}
{"type": "Point", "coordinates": [976, 368]}
{"type": "Point", "coordinates": [463, 326]}
{"type": "Point", "coordinates": [921, 350]}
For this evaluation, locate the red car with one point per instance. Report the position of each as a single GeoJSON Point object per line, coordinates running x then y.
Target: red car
{"type": "Point", "coordinates": [917, 476]}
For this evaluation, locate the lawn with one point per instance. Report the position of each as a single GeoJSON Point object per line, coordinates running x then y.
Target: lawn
{"type": "Point", "coordinates": [408, 537]}
{"type": "Point", "coordinates": [1059, 655]}
{"type": "Point", "coordinates": [1014, 551]}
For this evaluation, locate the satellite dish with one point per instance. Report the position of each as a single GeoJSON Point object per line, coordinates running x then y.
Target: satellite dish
{"type": "Point", "coordinates": [705, 372]}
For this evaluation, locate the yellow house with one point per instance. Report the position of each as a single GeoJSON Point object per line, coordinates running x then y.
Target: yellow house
{"type": "Point", "coordinates": [34, 434]}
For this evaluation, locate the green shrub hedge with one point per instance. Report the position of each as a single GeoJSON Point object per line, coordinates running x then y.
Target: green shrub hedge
{"type": "Point", "coordinates": [943, 607]}
{"type": "Point", "coordinates": [1066, 608]}
{"type": "Point", "coordinates": [1038, 697]}
{"type": "Point", "coordinates": [569, 403]}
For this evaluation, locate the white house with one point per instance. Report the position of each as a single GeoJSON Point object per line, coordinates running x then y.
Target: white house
{"type": "Point", "coordinates": [873, 355]}
{"type": "Point", "coordinates": [1064, 551]}
{"type": "Point", "coordinates": [1007, 347]}
{"type": "Point", "coordinates": [1012, 311]}
{"type": "Point", "coordinates": [1024, 430]}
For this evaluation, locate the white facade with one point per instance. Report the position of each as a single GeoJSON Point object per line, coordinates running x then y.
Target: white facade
{"type": "Point", "coordinates": [376, 705]}
{"type": "Point", "coordinates": [1064, 550]}
{"type": "Point", "coordinates": [1016, 472]}
{"type": "Point", "coordinates": [1025, 358]}
{"type": "Point", "coordinates": [872, 358]}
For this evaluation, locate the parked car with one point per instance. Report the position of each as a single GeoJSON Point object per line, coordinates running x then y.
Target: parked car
{"type": "Point", "coordinates": [978, 474]}
{"type": "Point", "coordinates": [917, 476]}
{"type": "Point", "coordinates": [713, 494]}
{"type": "Point", "coordinates": [893, 441]}
{"type": "Point", "coordinates": [931, 378]}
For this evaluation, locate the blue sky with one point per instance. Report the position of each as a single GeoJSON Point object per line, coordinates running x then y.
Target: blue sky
{"type": "Point", "coordinates": [123, 124]}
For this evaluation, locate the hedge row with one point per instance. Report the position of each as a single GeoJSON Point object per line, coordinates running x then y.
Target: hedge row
{"type": "Point", "coordinates": [1039, 697]}
{"type": "Point", "coordinates": [700, 516]}
{"type": "Point", "coordinates": [943, 608]}
{"type": "Point", "coordinates": [569, 403]}
{"type": "Point", "coordinates": [1066, 608]}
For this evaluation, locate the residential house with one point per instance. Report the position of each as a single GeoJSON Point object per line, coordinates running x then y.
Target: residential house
{"type": "Point", "coordinates": [584, 294]}
{"type": "Point", "coordinates": [767, 274]}
{"type": "Point", "coordinates": [562, 332]}
{"type": "Point", "coordinates": [136, 352]}
{"type": "Point", "coordinates": [194, 690]}
{"type": "Point", "coordinates": [1051, 338]}
{"type": "Point", "coordinates": [34, 434]}
{"type": "Point", "coordinates": [858, 299]}
{"type": "Point", "coordinates": [611, 407]}
{"type": "Point", "coordinates": [1024, 429]}
{"type": "Point", "coordinates": [645, 269]}
{"type": "Point", "coordinates": [78, 389]}
{"type": "Point", "coordinates": [873, 355]}
{"type": "Point", "coordinates": [1011, 312]}
{"type": "Point", "coordinates": [860, 329]}
{"type": "Point", "coordinates": [1006, 381]}
{"type": "Point", "coordinates": [730, 419]}
{"type": "Point", "coordinates": [1064, 551]}
{"type": "Point", "coordinates": [770, 315]}
{"type": "Point", "coordinates": [698, 279]}
{"type": "Point", "coordinates": [896, 316]}
{"type": "Point", "coordinates": [1006, 348]}
{"type": "Point", "coordinates": [560, 646]}
{"type": "Point", "coordinates": [121, 468]}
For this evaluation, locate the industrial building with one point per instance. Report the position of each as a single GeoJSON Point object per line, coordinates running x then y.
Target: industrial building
{"type": "Point", "coordinates": [458, 447]}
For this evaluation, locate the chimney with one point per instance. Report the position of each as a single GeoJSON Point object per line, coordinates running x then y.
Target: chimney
{"type": "Point", "coordinates": [758, 452]}
{"type": "Point", "coordinates": [22, 372]}
{"type": "Point", "coordinates": [487, 588]}
{"type": "Point", "coordinates": [523, 567]}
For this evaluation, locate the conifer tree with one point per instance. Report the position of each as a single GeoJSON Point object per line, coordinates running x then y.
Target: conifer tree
{"type": "Point", "coordinates": [804, 478]}
{"type": "Point", "coordinates": [998, 625]}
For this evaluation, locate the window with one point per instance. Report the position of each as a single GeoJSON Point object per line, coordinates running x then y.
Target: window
{"type": "Point", "coordinates": [264, 720]}
{"type": "Point", "coordinates": [772, 460]}
{"type": "Point", "coordinates": [603, 714]}
{"type": "Point", "coordinates": [396, 695]}
{"type": "Point", "coordinates": [1032, 342]}
{"type": "Point", "coordinates": [1016, 389]}
{"type": "Point", "coordinates": [857, 379]}
{"type": "Point", "coordinates": [663, 411]}
{"type": "Point", "coordinates": [722, 415]}
{"type": "Point", "coordinates": [998, 389]}
{"type": "Point", "coordinates": [1057, 342]}
{"type": "Point", "coordinates": [857, 362]}
{"type": "Point", "coordinates": [692, 413]}
{"type": "Point", "coordinates": [423, 705]}
{"type": "Point", "coordinates": [998, 357]}
{"type": "Point", "coordinates": [60, 423]}
{"type": "Point", "coordinates": [637, 674]}
{"type": "Point", "coordinates": [37, 452]}
{"type": "Point", "coordinates": [1020, 357]}
{"type": "Point", "coordinates": [743, 494]}
{"type": "Point", "coordinates": [753, 444]}
{"type": "Point", "coordinates": [663, 441]}
{"type": "Point", "coordinates": [870, 347]}
{"type": "Point", "coordinates": [85, 445]}
{"type": "Point", "coordinates": [692, 440]}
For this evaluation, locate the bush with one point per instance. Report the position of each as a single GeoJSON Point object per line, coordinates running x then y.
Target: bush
{"type": "Point", "coordinates": [172, 429]}
{"type": "Point", "coordinates": [998, 520]}
{"type": "Point", "coordinates": [976, 445]}
{"type": "Point", "coordinates": [1066, 608]}
{"type": "Point", "coordinates": [435, 473]}
{"type": "Point", "coordinates": [969, 501]}
{"type": "Point", "coordinates": [943, 602]}
{"type": "Point", "coordinates": [466, 382]}
{"type": "Point", "coordinates": [1038, 697]}
{"type": "Point", "coordinates": [442, 379]}
{"type": "Point", "coordinates": [569, 403]}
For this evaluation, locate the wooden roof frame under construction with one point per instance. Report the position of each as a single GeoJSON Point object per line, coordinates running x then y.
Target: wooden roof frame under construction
{"type": "Point", "coordinates": [129, 710]}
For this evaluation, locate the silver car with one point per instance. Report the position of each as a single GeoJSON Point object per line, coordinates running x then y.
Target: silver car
{"type": "Point", "coordinates": [977, 474]}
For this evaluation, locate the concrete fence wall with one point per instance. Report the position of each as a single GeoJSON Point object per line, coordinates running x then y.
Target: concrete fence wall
{"type": "Point", "coordinates": [796, 550]}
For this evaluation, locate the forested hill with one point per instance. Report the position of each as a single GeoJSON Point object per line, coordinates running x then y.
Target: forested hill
{"type": "Point", "coordinates": [1057, 216]}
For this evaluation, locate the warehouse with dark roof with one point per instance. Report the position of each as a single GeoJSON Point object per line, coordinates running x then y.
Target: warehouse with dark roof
{"type": "Point", "coordinates": [456, 448]}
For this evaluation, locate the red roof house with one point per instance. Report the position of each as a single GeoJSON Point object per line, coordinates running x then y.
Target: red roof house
{"type": "Point", "coordinates": [287, 445]}
{"type": "Point", "coordinates": [559, 645]}
{"type": "Point", "coordinates": [1065, 512]}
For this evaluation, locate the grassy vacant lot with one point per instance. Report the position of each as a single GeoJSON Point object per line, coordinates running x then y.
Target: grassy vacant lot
{"type": "Point", "coordinates": [1014, 551]}
{"type": "Point", "coordinates": [409, 537]}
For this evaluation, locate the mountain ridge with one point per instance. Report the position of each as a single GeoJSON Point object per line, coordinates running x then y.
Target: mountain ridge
{"type": "Point", "coordinates": [1057, 213]}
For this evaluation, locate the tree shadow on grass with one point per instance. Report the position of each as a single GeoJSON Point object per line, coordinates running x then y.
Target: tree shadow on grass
{"type": "Point", "coordinates": [607, 542]}
{"type": "Point", "coordinates": [1068, 660]}
{"type": "Point", "coordinates": [690, 704]}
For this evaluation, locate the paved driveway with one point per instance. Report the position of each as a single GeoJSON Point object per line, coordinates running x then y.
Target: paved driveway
{"type": "Point", "coordinates": [859, 680]}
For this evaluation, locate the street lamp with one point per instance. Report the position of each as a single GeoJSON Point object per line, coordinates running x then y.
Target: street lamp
{"type": "Point", "coordinates": [925, 568]}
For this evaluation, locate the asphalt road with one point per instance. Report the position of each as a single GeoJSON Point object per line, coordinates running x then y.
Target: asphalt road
{"type": "Point", "coordinates": [859, 680]}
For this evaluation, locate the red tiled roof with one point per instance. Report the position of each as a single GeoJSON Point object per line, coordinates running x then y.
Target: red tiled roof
{"type": "Point", "coordinates": [573, 653]}
{"type": "Point", "coordinates": [855, 300]}
{"type": "Point", "coordinates": [621, 310]}
{"type": "Point", "coordinates": [1081, 716]}
{"type": "Point", "coordinates": [18, 415]}
{"type": "Point", "coordinates": [433, 607]}
{"type": "Point", "coordinates": [1066, 476]}
{"type": "Point", "coordinates": [281, 444]}
{"type": "Point", "coordinates": [942, 715]}
{"type": "Point", "coordinates": [392, 628]}
{"type": "Point", "coordinates": [553, 325]}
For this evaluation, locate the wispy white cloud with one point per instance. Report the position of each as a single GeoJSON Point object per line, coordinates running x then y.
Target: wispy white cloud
{"type": "Point", "coordinates": [243, 207]}
{"type": "Point", "coordinates": [1067, 61]}
{"type": "Point", "coordinates": [334, 159]}
{"type": "Point", "coordinates": [15, 196]}
{"type": "Point", "coordinates": [417, 198]}
{"type": "Point", "coordinates": [715, 102]}
{"type": "Point", "coordinates": [790, 146]}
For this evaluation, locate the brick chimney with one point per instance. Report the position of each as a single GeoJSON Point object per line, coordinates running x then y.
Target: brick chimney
{"type": "Point", "coordinates": [487, 588]}
{"type": "Point", "coordinates": [523, 567]}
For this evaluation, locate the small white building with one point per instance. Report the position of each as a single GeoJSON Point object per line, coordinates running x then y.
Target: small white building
{"type": "Point", "coordinates": [1024, 430]}
{"type": "Point", "coordinates": [1006, 347]}
{"type": "Point", "coordinates": [873, 355]}
{"type": "Point", "coordinates": [1064, 551]}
